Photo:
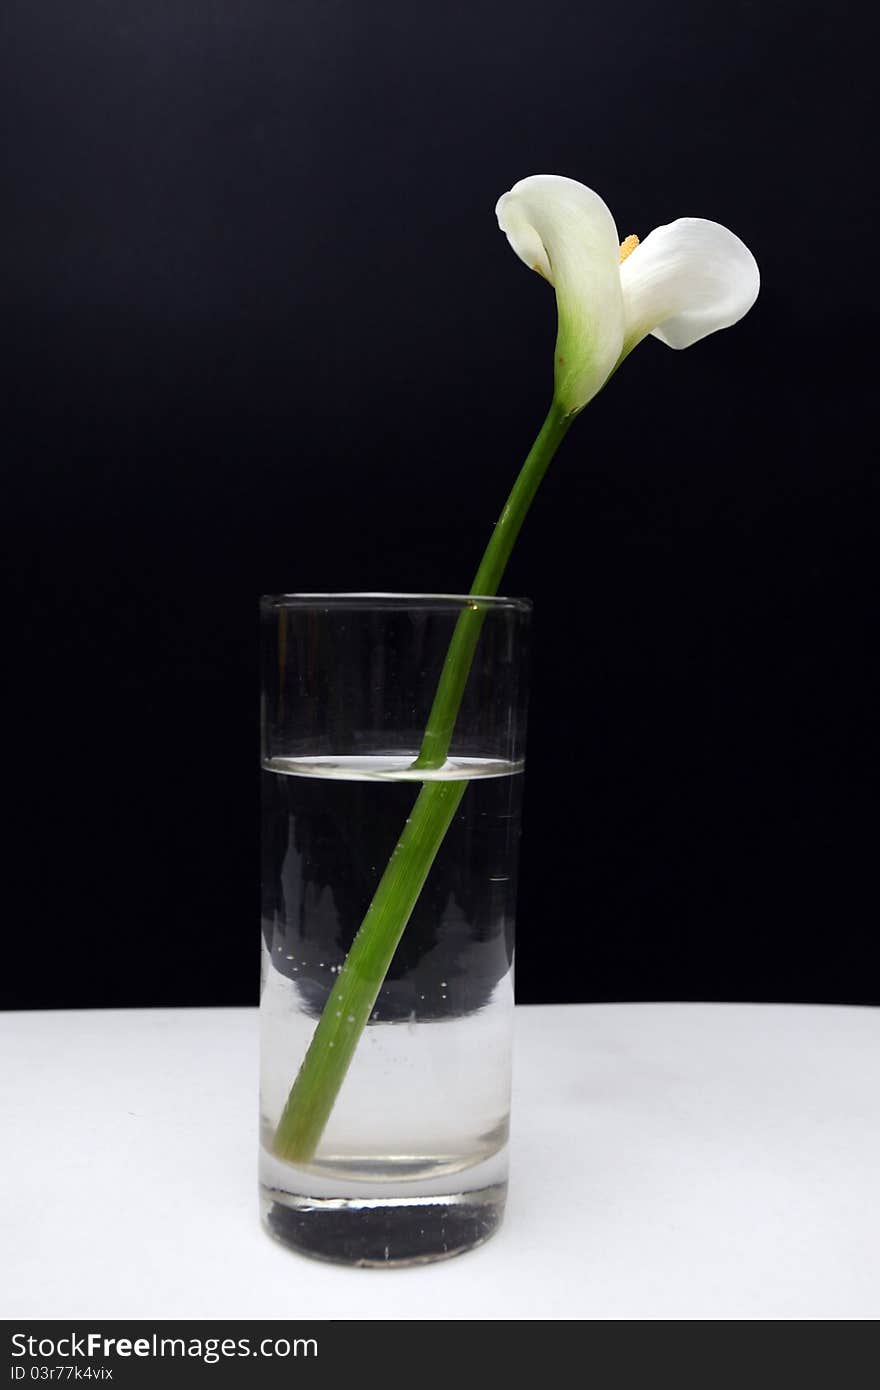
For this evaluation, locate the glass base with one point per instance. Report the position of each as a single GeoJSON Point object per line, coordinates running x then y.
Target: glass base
{"type": "Point", "coordinates": [384, 1233]}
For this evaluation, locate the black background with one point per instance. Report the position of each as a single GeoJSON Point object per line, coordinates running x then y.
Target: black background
{"type": "Point", "coordinates": [263, 334]}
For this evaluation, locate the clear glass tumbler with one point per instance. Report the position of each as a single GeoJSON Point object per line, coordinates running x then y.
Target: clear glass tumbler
{"type": "Point", "coordinates": [412, 1163]}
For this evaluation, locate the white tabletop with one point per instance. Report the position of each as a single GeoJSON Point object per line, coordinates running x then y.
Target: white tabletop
{"type": "Point", "coordinates": [669, 1161]}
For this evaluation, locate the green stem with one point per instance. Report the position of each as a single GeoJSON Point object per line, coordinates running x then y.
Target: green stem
{"type": "Point", "coordinates": [456, 667]}
{"type": "Point", "coordinates": [352, 997]}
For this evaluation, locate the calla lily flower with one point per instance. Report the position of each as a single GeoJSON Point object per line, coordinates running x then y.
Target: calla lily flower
{"type": "Point", "coordinates": [683, 282]}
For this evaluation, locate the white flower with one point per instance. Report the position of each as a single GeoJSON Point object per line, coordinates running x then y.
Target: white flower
{"type": "Point", "coordinates": [684, 281]}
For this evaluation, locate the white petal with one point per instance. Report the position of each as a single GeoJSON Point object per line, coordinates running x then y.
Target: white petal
{"type": "Point", "coordinates": [564, 231]}
{"type": "Point", "coordinates": [687, 280]}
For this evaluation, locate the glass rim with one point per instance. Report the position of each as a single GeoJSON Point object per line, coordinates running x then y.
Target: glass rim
{"type": "Point", "coordinates": [379, 599]}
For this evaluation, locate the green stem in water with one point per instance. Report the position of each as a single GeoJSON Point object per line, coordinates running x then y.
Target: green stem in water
{"type": "Point", "coordinates": [354, 993]}
{"type": "Point", "coordinates": [366, 965]}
